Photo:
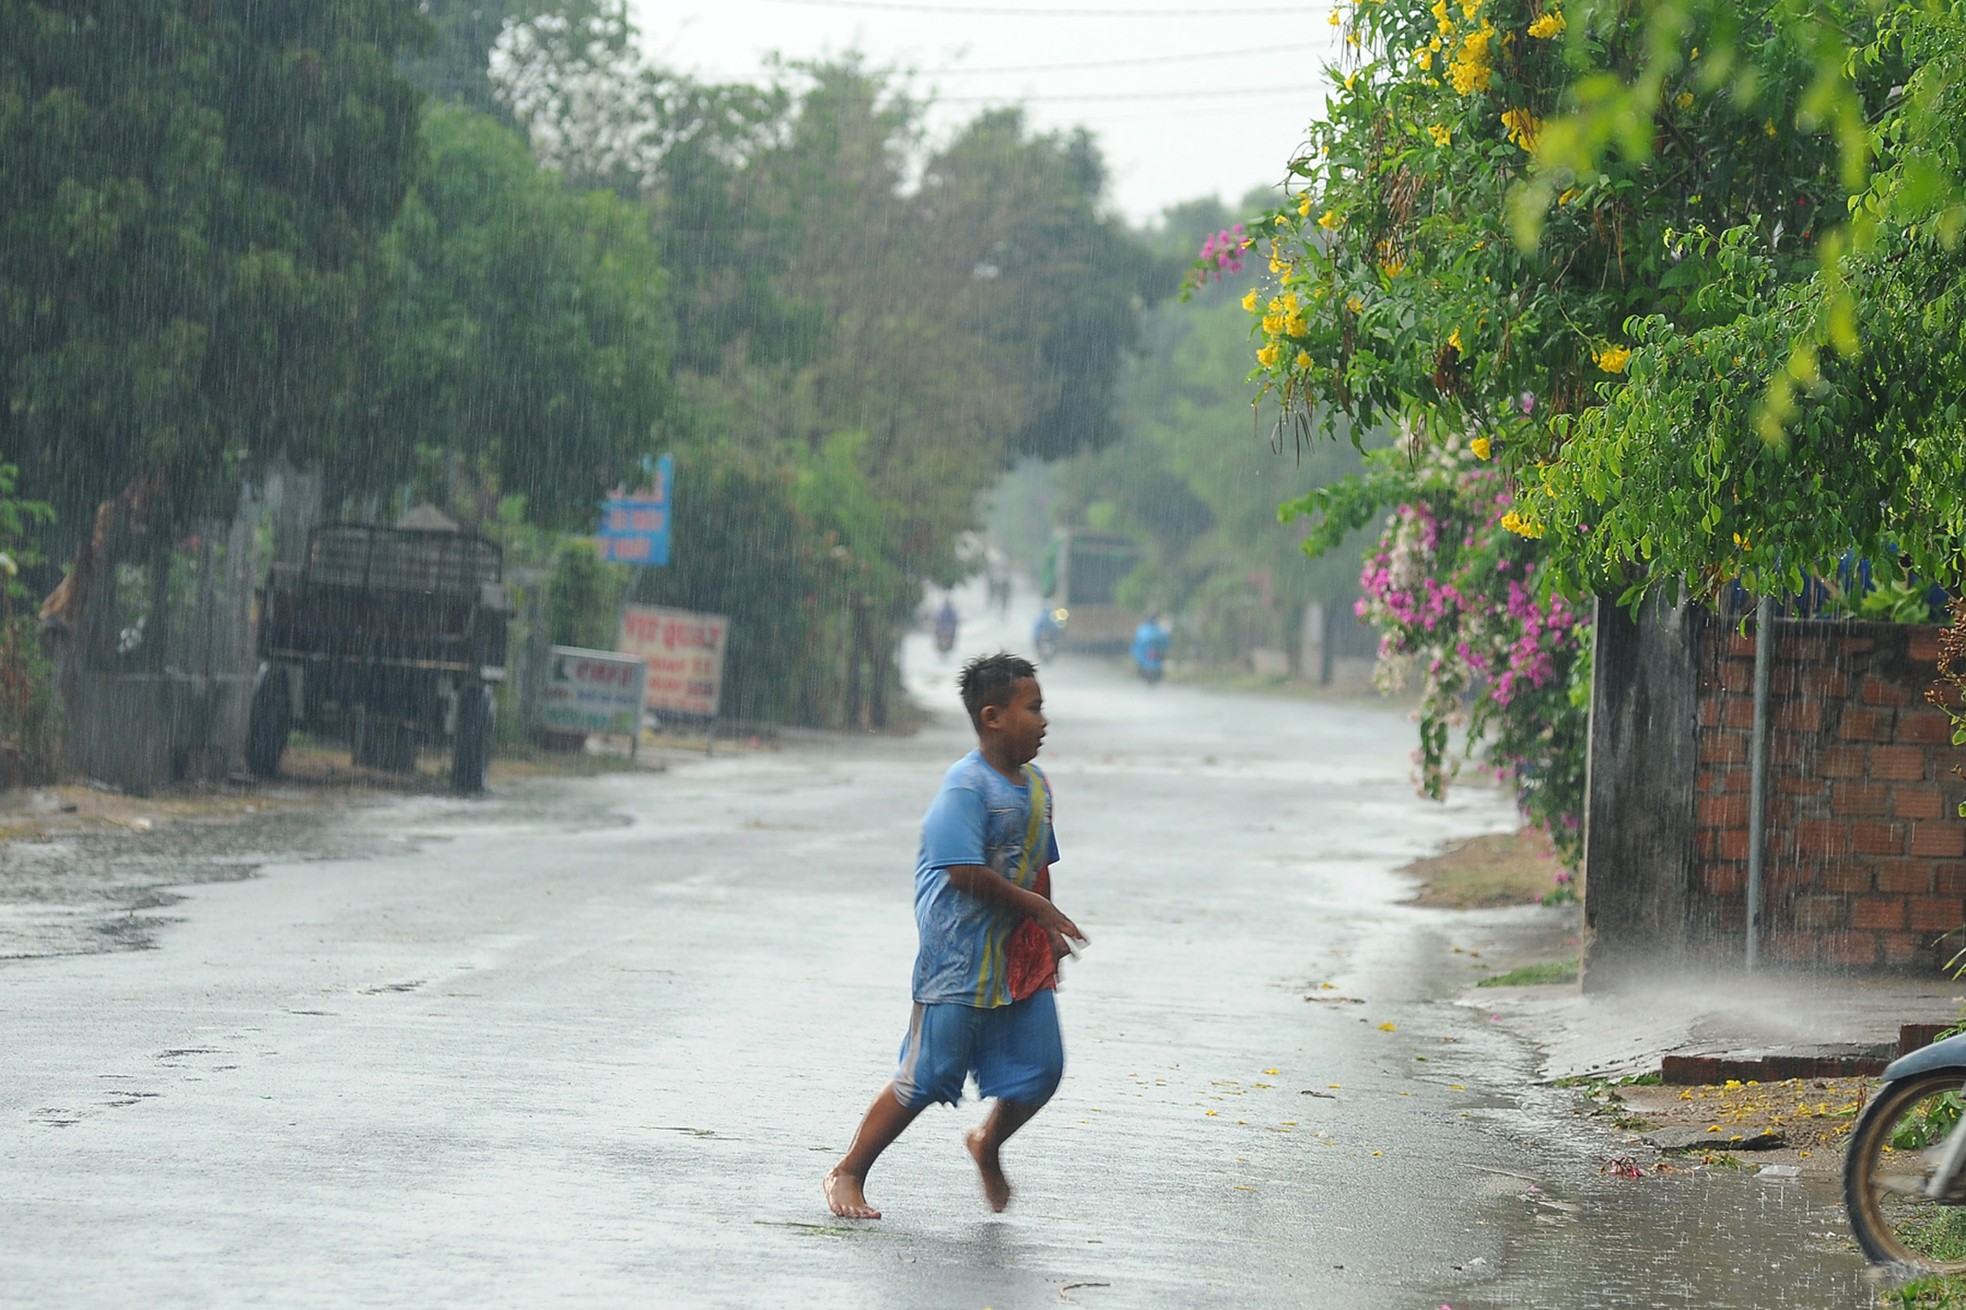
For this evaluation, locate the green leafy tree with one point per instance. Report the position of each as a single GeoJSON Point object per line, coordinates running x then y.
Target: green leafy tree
{"type": "Point", "coordinates": [519, 342]}
{"type": "Point", "coordinates": [188, 194]}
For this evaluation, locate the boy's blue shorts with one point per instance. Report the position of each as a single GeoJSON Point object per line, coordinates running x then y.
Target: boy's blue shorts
{"type": "Point", "coordinates": [1014, 1050]}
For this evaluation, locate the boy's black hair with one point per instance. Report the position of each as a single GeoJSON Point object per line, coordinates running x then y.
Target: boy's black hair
{"type": "Point", "coordinates": [989, 680]}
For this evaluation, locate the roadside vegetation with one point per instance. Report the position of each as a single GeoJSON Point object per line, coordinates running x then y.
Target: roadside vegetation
{"type": "Point", "coordinates": [1659, 301]}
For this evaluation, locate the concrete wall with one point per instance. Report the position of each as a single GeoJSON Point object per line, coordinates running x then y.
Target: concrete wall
{"type": "Point", "coordinates": [1638, 807]}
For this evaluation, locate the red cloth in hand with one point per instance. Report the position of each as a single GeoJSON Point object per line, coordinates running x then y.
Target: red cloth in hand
{"type": "Point", "coordinates": [1028, 958]}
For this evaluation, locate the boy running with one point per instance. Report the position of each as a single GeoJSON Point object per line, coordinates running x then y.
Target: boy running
{"type": "Point", "coordinates": [983, 980]}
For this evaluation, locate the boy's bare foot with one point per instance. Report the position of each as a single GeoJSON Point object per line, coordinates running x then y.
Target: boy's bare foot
{"type": "Point", "coordinates": [845, 1199]}
{"type": "Point", "coordinates": [996, 1188]}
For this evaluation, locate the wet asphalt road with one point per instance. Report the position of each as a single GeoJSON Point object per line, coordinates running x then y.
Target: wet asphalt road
{"type": "Point", "coordinates": [593, 1042]}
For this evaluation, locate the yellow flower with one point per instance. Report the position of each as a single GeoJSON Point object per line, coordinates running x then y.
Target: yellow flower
{"type": "Point", "coordinates": [1469, 8]}
{"type": "Point", "coordinates": [1569, 194]}
{"type": "Point", "coordinates": [1331, 220]}
{"type": "Point", "coordinates": [1745, 543]}
{"type": "Point", "coordinates": [1303, 207]}
{"type": "Point", "coordinates": [1424, 57]}
{"type": "Point", "coordinates": [1441, 134]}
{"type": "Point", "coordinates": [1295, 326]}
{"type": "Point", "coordinates": [1455, 341]}
{"type": "Point", "coordinates": [1434, 45]}
{"type": "Point", "coordinates": [1522, 527]}
{"type": "Point", "coordinates": [1303, 359]}
{"type": "Point", "coordinates": [1355, 304]}
{"type": "Point", "coordinates": [1335, 20]}
{"type": "Point", "coordinates": [1350, 77]}
{"type": "Point", "coordinates": [1549, 25]}
{"type": "Point", "coordinates": [1611, 358]}
{"type": "Point", "coordinates": [1523, 127]}
{"type": "Point", "coordinates": [1289, 302]}
{"type": "Point", "coordinates": [1470, 70]}
{"type": "Point", "coordinates": [1267, 356]}
{"type": "Point", "coordinates": [1441, 16]}
{"type": "Point", "coordinates": [1482, 447]}
{"type": "Point", "coordinates": [1769, 127]}
{"type": "Point", "coordinates": [1684, 100]}
{"type": "Point", "coordinates": [1249, 301]}
{"type": "Point", "coordinates": [1273, 323]}
{"type": "Point", "coordinates": [1351, 39]}
{"type": "Point", "coordinates": [1392, 266]}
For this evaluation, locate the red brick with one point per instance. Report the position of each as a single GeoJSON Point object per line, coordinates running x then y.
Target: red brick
{"type": "Point", "coordinates": [1922, 643]}
{"type": "Point", "coordinates": [1792, 784]}
{"type": "Point", "coordinates": [1819, 911]}
{"type": "Point", "coordinates": [1721, 811]}
{"type": "Point", "coordinates": [1937, 913]}
{"type": "Point", "coordinates": [1824, 682]}
{"type": "Point", "coordinates": [1737, 712]}
{"type": "Point", "coordinates": [1902, 947]}
{"type": "Point", "coordinates": [1795, 947]}
{"type": "Point", "coordinates": [1723, 747]}
{"type": "Point", "coordinates": [1911, 876]}
{"type": "Point", "coordinates": [1857, 645]}
{"type": "Point", "coordinates": [1781, 680]}
{"type": "Point", "coordinates": [1923, 728]}
{"type": "Point", "coordinates": [1851, 799]}
{"type": "Point", "coordinates": [1852, 876]}
{"type": "Point", "coordinates": [1734, 780]}
{"type": "Point", "coordinates": [1841, 762]}
{"type": "Point", "coordinates": [1878, 912]}
{"type": "Point", "coordinates": [1850, 949]}
{"type": "Point", "coordinates": [1790, 752]}
{"type": "Point", "coordinates": [1735, 676]}
{"type": "Point", "coordinates": [1740, 645]}
{"type": "Point", "coordinates": [1917, 803]}
{"type": "Point", "coordinates": [1709, 712]}
{"type": "Point", "coordinates": [1865, 725]}
{"type": "Point", "coordinates": [1878, 691]}
{"type": "Point", "coordinates": [1798, 716]}
{"type": "Point", "coordinates": [1943, 839]}
{"type": "Point", "coordinates": [1788, 874]}
{"type": "Point", "coordinates": [1820, 837]}
{"type": "Point", "coordinates": [1898, 763]}
{"type": "Point", "coordinates": [1949, 879]}
{"type": "Point", "coordinates": [1872, 837]}
{"type": "Point", "coordinates": [1729, 843]}
{"type": "Point", "coordinates": [1804, 643]}
{"type": "Point", "coordinates": [1723, 879]}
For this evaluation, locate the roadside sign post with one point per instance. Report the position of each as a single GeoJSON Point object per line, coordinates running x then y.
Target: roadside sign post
{"type": "Point", "coordinates": [635, 524]}
{"type": "Point", "coordinates": [684, 654]}
{"type": "Point", "coordinates": [594, 691]}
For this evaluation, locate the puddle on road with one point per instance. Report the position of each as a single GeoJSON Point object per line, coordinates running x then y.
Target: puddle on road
{"type": "Point", "coordinates": [1716, 1238]}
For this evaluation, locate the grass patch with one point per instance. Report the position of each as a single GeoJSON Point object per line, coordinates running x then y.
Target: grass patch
{"type": "Point", "coordinates": [1931, 1293]}
{"type": "Point", "coordinates": [1510, 868]}
{"type": "Point", "coordinates": [1541, 974]}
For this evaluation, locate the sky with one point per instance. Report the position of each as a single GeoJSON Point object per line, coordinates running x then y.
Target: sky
{"type": "Point", "coordinates": [1187, 97]}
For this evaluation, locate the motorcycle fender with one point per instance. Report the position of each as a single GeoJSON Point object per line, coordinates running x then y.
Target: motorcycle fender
{"type": "Point", "coordinates": [1947, 1054]}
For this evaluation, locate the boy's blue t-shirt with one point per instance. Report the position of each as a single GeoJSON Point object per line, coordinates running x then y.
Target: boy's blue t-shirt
{"type": "Point", "coordinates": [978, 817]}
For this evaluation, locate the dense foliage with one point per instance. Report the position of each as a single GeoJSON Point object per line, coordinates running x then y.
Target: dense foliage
{"type": "Point", "coordinates": [188, 192]}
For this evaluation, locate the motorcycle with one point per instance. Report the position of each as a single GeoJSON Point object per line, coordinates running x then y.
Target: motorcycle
{"type": "Point", "coordinates": [1049, 632]}
{"type": "Point", "coordinates": [1904, 1176]}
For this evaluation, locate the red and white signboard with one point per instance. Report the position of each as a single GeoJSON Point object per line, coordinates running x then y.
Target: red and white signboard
{"type": "Point", "coordinates": [684, 652]}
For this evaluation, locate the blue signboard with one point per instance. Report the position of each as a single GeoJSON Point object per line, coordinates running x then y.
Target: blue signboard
{"type": "Point", "coordinates": [635, 527]}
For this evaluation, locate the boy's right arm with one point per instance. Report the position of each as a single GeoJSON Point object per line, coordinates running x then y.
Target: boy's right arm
{"type": "Point", "coordinates": [986, 884]}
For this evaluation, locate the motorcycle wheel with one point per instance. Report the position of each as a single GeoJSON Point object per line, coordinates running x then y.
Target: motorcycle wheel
{"type": "Point", "coordinates": [1893, 1150]}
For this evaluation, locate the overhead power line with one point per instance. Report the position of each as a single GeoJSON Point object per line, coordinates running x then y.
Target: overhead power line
{"type": "Point", "coordinates": [1239, 93]}
{"type": "Point", "coordinates": [1142, 62]}
{"type": "Point", "coordinates": [1003, 11]}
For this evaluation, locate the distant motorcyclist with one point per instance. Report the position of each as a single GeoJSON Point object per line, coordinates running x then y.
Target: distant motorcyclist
{"type": "Point", "coordinates": [946, 620]}
{"type": "Point", "coordinates": [1047, 632]}
{"type": "Point", "coordinates": [1150, 649]}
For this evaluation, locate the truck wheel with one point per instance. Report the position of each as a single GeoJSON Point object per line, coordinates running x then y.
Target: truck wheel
{"type": "Point", "coordinates": [267, 723]}
{"type": "Point", "coordinates": [471, 754]}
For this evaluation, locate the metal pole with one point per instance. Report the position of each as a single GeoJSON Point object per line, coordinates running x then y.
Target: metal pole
{"type": "Point", "coordinates": [1764, 622]}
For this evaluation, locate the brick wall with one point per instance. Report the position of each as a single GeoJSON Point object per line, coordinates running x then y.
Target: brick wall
{"type": "Point", "coordinates": [1866, 854]}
